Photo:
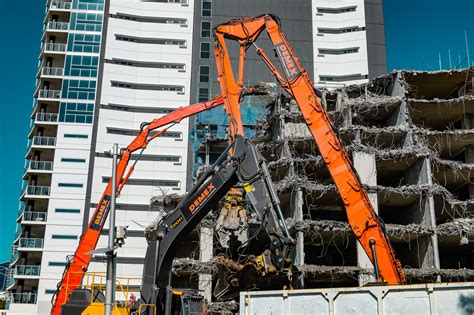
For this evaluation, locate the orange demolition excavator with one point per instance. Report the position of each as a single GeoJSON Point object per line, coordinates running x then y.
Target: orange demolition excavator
{"type": "Point", "coordinates": [76, 268]}
{"type": "Point", "coordinates": [244, 166]}
{"type": "Point", "coordinates": [362, 218]}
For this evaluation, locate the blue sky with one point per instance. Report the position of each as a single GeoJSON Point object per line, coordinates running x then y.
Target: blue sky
{"type": "Point", "coordinates": [21, 25]}
{"type": "Point", "coordinates": [416, 32]}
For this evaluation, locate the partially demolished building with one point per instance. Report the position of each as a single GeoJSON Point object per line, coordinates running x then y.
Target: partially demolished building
{"type": "Point", "coordinates": [411, 137]}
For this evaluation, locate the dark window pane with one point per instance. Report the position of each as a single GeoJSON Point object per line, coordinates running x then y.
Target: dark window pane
{"type": "Point", "coordinates": [205, 50]}
{"type": "Point", "coordinates": [205, 29]}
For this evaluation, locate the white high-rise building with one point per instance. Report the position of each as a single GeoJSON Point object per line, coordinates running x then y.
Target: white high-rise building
{"type": "Point", "coordinates": [105, 67]}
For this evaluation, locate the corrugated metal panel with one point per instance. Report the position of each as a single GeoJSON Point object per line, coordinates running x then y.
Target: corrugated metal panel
{"type": "Point", "coordinates": [430, 299]}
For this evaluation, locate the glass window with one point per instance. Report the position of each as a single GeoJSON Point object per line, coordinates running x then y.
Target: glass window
{"type": "Point", "coordinates": [90, 5]}
{"type": "Point", "coordinates": [89, 22]}
{"type": "Point", "coordinates": [81, 66]}
{"type": "Point", "coordinates": [62, 210]}
{"type": "Point", "coordinates": [205, 50]}
{"type": "Point", "coordinates": [73, 135]}
{"type": "Point", "coordinates": [64, 237]}
{"type": "Point", "coordinates": [203, 94]}
{"type": "Point", "coordinates": [79, 89]}
{"type": "Point", "coordinates": [206, 8]}
{"type": "Point", "coordinates": [73, 160]}
{"type": "Point", "coordinates": [205, 29]}
{"type": "Point", "coordinates": [70, 185]}
{"type": "Point", "coordinates": [204, 74]}
{"type": "Point", "coordinates": [86, 43]}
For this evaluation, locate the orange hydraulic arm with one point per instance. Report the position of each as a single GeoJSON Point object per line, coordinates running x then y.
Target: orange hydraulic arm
{"type": "Point", "coordinates": [74, 272]}
{"type": "Point", "coordinates": [362, 218]}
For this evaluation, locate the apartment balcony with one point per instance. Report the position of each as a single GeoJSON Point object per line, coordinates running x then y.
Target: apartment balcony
{"type": "Point", "coordinates": [52, 72]}
{"type": "Point", "coordinates": [34, 217]}
{"type": "Point", "coordinates": [53, 26]}
{"type": "Point", "coordinates": [54, 48]}
{"type": "Point", "coordinates": [60, 6]}
{"type": "Point", "coordinates": [37, 190]}
{"type": "Point", "coordinates": [40, 141]}
{"type": "Point", "coordinates": [27, 271]}
{"type": "Point", "coordinates": [30, 244]}
{"type": "Point", "coordinates": [38, 167]}
{"type": "Point", "coordinates": [33, 192]}
{"type": "Point", "coordinates": [22, 298]}
{"type": "Point", "coordinates": [49, 94]}
{"type": "Point", "coordinates": [52, 108]}
{"type": "Point", "coordinates": [46, 119]}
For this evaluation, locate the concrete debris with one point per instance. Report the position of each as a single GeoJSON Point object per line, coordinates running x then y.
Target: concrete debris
{"type": "Point", "coordinates": [315, 271]}
{"type": "Point", "coordinates": [315, 161]}
{"type": "Point", "coordinates": [444, 102]}
{"type": "Point", "coordinates": [191, 266]}
{"type": "Point", "coordinates": [430, 274]}
{"type": "Point", "coordinates": [398, 231]}
{"type": "Point", "coordinates": [463, 226]}
{"type": "Point", "coordinates": [460, 226]}
{"type": "Point", "coordinates": [164, 201]}
{"type": "Point", "coordinates": [228, 307]}
{"type": "Point", "coordinates": [413, 274]}
{"type": "Point", "coordinates": [290, 183]}
{"type": "Point", "coordinates": [369, 102]}
{"type": "Point", "coordinates": [309, 226]}
{"type": "Point", "coordinates": [390, 153]}
{"type": "Point", "coordinates": [183, 266]}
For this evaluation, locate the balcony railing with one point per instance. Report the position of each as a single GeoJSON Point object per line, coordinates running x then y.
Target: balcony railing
{"type": "Point", "coordinates": [17, 234]}
{"type": "Point", "coordinates": [14, 255]}
{"type": "Point", "coordinates": [44, 141]}
{"type": "Point", "coordinates": [63, 5]}
{"type": "Point", "coordinates": [26, 270]}
{"type": "Point", "coordinates": [37, 190]}
{"type": "Point", "coordinates": [52, 71]}
{"type": "Point", "coordinates": [35, 216]}
{"type": "Point", "coordinates": [40, 166]}
{"type": "Point", "coordinates": [30, 243]}
{"type": "Point", "coordinates": [21, 210]}
{"type": "Point", "coordinates": [55, 47]}
{"type": "Point", "coordinates": [46, 117]}
{"type": "Point", "coordinates": [54, 94]}
{"type": "Point", "coordinates": [23, 298]}
{"type": "Point", "coordinates": [61, 26]}
{"type": "Point", "coordinates": [10, 282]}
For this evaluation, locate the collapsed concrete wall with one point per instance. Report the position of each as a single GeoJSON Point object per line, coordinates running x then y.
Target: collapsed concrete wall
{"type": "Point", "coordinates": [411, 137]}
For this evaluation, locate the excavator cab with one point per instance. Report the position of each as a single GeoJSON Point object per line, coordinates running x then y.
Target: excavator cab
{"type": "Point", "coordinates": [85, 301]}
{"type": "Point", "coordinates": [89, 299]}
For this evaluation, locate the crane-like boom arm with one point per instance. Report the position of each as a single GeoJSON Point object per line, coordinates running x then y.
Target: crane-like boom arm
{"type": "Point", "coordinates": [362, 218]}
{"type": "Point", "coordinates": [74, 272]}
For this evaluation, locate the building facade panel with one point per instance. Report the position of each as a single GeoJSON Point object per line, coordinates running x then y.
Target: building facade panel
{"type": "Point", "coordinates": [146, 71]}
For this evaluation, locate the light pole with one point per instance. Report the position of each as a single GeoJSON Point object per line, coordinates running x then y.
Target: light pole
{"type": "Point", "coordinates": [111, 256]}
